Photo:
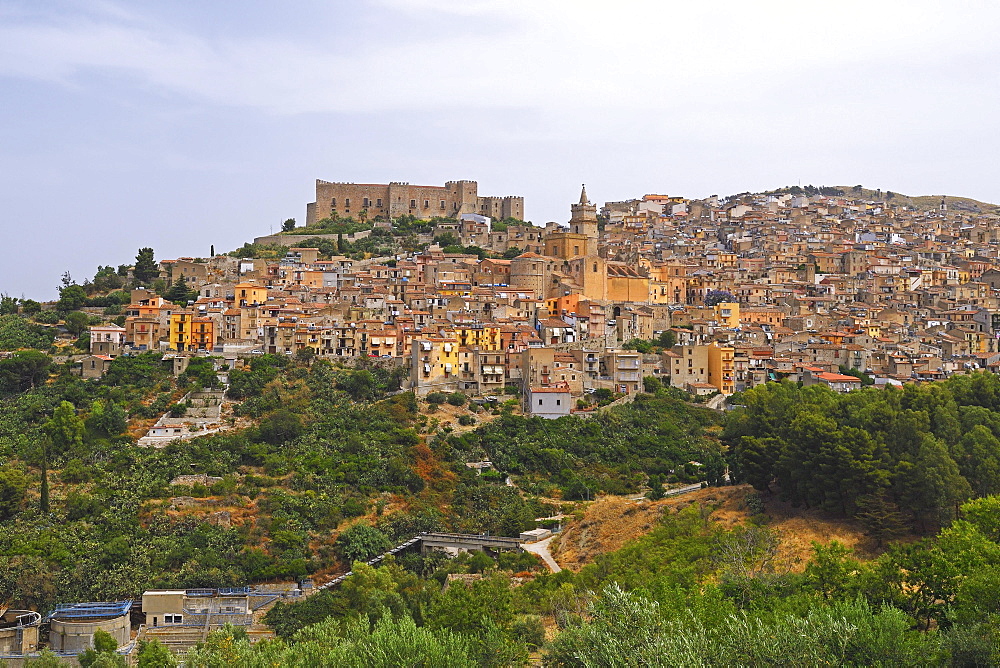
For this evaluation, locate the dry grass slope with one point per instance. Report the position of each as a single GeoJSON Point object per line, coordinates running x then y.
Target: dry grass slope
{"type": "Point", "coordinates": [611, 522]}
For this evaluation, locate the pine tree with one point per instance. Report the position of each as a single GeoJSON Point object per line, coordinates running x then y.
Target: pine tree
{"type": "Point", "coordinates": [145, 267]}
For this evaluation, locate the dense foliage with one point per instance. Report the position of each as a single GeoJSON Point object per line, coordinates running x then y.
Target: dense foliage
{"type": "Point", "coordinates": [18, 332]}
{"type": "Point", "coordinates": [888, 456]}
{"type": "Point", "coordinates": [689, 593]}
{"type": "Point", "coordinates": [613, 451]}
{"type": "Point", "coordinates": [326, 465]}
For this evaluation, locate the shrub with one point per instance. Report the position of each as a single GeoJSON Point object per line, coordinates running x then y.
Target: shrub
{"type": "Point", "coordinates": [361, 542]}
{"type": "Point", "coordinates": [437, 398]}
{"type": "Point", "coordinates": [457, 399]}
{"type": "Point", "coordinates": [75, 471]}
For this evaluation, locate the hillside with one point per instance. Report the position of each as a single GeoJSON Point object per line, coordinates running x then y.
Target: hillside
{"type": "Point", "coordinates": [919, 202]}
{"type": "Point", "coordinates": [612, 522]}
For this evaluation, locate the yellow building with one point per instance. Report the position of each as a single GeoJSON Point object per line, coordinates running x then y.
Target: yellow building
{"type": "Point", "coordinates": [721, 369]}
{"type": "Point", "coordinates": [202, 334]}
{"type": "Point", "coordinates": [484, 338]}
{"type": "Point", "coordinates": [251, 294]}
{"type": "Point", "coordinates": [727, 314]}
{"type": "Point", "coordinates": [180, 329]}
{"type": "Point", "coordinates": [625, 284]}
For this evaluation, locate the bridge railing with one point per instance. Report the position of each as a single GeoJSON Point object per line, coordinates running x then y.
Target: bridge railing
{"type": "Point", "coordinates": [423, 536]}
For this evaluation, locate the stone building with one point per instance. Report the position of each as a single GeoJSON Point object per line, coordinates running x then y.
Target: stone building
{"type": "Point", "coordinates": [368, 200]}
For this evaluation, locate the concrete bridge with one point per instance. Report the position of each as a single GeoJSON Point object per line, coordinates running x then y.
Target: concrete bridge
{"type": "Point", "coordinates": [466, 542]}
{"type": "Point", "coordinates": [438, 541]}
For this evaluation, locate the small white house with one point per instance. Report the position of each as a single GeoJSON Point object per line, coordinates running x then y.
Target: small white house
{"type": "Point", "coordinates": [549, 402]}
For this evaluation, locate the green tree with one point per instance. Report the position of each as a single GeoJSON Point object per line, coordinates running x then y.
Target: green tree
{"type": "Point", "coordinates": [46, 659]}
{"type": "Point", "coordinates": [446, 239]}
{"type": "Point", "coordinates": [831, 571]}
{"type": "Point", "coordinates": [359, 384]}
{"type": "Point", "coordinates": [65, 429]}
{"type": "Point", "coordinates": [71, 298]}
{"type": "Point", "coordinates": [280, 427]}
{"type": "Point", "coordinates": [288, 225]}
{"type": "Point", "coordinates": [667, 339]}
{"type": "Point", "coordinates": [984, 514]}
{"type": "Point", "coordinates": [153, 654]}
{"type": "Point", "coordinates": [24, 370]}
{"type": "Point", "coordinates": [932, 486]}
{"type": "Point", "coordinates": [978, 457]}
{"type": "Point", "coordinates": [106, 419]}
{"type": "Point", "coordinates": [145, 270]}
{"type": "Point", "coordinates": [102, 654]}
{"type": "Point", "coordinates": [473, 609]}
{"type": "Point", "coordinates": [13, 488]}
{"type": "Point", "coordinates": [361, 542]}
{"type": "Point", "coordinates": [8, 304]}
{"type": "Point", "coordinates": [77, 322]}
{"type": "Point", "coordinates": [179, 293]}
{"type": "Point", "coordinates": [881, 516]}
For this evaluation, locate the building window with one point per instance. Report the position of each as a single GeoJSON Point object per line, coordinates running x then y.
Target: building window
{"type": "Point", "coordinates": [539, 402]}
{"type": "Point", "coordinates": [378, 202]}
{"type": "Point", "coordinates": [442, 205]}
{"type": "Point", "coordinates": [347, 202]}
{"type": "Point", "coordinates": [173, 619]}
{"type": "Point", "coordinates": [366, 201]}
{"type": "Point", "coordinates": [413, 204]}
{"type": "Point", "coordinates": [427, 204]}
{"type": "Point", "coordinates": [333, 203]}
{"type": "Point", "coordinates": [558, 402]}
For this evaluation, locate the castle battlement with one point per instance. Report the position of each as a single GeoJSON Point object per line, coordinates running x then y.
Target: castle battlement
{"type": "Point", "coordinates": [400, 198]}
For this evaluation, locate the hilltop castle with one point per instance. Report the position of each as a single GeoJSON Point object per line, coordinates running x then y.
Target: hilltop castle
{"type": "Point", "coordinates": [367, 200]}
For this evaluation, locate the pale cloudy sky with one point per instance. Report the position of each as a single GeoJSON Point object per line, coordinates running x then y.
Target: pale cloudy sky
{"type": "Point", "coordinates": [188, 123]}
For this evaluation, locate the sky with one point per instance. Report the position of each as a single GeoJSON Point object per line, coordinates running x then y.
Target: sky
{"type": "Point", "coordinates": [188, 124]}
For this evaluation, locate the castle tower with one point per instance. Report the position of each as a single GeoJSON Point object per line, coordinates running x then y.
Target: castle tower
{"type": "Point", "coordinates": [584, 220]}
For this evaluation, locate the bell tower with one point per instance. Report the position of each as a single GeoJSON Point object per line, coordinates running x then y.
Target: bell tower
{"type": "Point", "coordinates": [584, 221]}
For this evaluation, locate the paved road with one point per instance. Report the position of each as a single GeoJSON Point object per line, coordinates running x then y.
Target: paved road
{"type": "Point", "coordinates": [541, 548]}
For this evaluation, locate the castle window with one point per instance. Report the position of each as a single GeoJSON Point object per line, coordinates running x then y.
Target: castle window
{"type": "Point", "coordinates": [365, 202]}
{"type": "Point", "coordinates": [333, 203]}
{"type": "Point", "coordinates": [378, 202]}
{"type": "Point", "coordinates": [427, 204]}
{"type": "Point", "coordinates": [347, 202]}
{"type": "Point", "coordinates": [413, 204]}
{"type": "Point", "coordinates": [442, 204]}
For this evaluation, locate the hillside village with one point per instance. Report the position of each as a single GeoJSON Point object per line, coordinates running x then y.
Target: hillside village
{"type": "Point", "coordinates": [236, 435]}
{"type": "Point", "coordinates": [843, 288]}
